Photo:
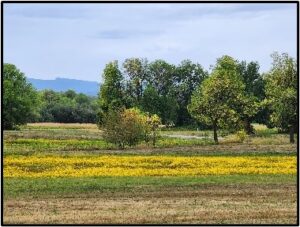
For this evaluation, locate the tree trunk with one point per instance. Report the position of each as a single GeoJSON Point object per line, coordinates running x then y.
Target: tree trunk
{"type": "Point", "coordinates": [215, 133]}
{"type": "Point", "coordinates": [248, 127]}
{"type": "Point", "coordinates": [154, 138]}
{"type": "Point", "coordinates": [292, 139]}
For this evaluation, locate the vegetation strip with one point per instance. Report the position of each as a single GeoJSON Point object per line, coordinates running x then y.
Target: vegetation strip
{"type": "Point", "coordinates": [113, 165]}
{"type": "Point", "coordinates": [79, 186]}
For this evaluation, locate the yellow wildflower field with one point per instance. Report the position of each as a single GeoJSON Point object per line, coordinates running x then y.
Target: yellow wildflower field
{"type": "Point", "coordinates": [113, 165]}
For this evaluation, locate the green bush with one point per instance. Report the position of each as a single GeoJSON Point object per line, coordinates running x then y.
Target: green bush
{"type": "Point", "coordinates": [130, 127]}
{"type": "Point", "coordinates": [241, 135]}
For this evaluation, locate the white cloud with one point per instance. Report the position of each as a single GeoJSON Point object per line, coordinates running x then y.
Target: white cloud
{"type": "Point", "coordinates": [77, 40]}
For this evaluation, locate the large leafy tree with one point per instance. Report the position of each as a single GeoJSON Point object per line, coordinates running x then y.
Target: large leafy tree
{"type": "Point", "coordinates": [137, 71]}
{"type": "Point", "coordinates": [218, 99]}
{"type": "Point", "coordinates": [253, 80]}
{"type": "Point", "coordinates": [164, 106]}
{"type": "Point", "coordinates": [161, 76]}
{"type": "Point", "coordinates": [169, 110]}
{"type": "Point", "coordinates": [20, 100]}
{"type": "Point", "coordinates": [160, 89]}
{"type": "Point", "coordinates": [281, 91]}
{"type": "Point", "coordinates": [111, 91]}
{"type": "Point", "coordinates": [254, 93]}
{"type": "Point", "coordinates": [188, 77]}
{"type": "Point", "coordinates": [151, 101]}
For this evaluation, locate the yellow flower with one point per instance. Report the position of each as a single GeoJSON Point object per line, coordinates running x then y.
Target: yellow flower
{"type": "Point", "coordinates": [113, 165]}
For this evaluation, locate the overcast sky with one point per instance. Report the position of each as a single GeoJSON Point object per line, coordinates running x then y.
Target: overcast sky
{"type": "Point", "coordinates": [76, 40]}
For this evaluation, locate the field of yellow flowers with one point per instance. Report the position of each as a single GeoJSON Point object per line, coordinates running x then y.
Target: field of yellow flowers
{"type": "Point", "coordinates": [113, 165]}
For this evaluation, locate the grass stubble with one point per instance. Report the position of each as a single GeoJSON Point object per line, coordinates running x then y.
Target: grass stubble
{"type": "Point", "coordinates": [201, 204]}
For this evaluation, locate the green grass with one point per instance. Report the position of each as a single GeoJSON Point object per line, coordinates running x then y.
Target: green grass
{"type": "Point", "coordinates": [174, 142]}
{"type": "Point", "coordinates": [48, 138]}
{"type": "Point", "coordinates": [263, 130]}
{"type": "Point", "coordinates": [33, 146]}
{"type": "Point", "coordinates": [36, 187]}
{"type": "Point", "coordinates": [28, 146]}
{"type": "Point", "coordinates": [53, 134]}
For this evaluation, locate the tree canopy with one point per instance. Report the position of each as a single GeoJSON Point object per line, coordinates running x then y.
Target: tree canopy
{"type": "Point", "coordinates": [281, 91]}
{"type": "Point", "coordinates": [220, 99]}
{"type": "Point", "coordinates": [67, 107]}
{"type": "Point", "coordinates": [20, 99]}
{"type": "Point", "coordinates": [111, 91]}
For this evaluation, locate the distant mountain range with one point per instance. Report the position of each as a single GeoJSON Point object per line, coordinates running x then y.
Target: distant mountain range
{"type": "Point", "coordinates": [63, 84]}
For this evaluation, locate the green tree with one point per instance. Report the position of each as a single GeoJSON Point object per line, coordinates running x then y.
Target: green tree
{"type": "Point", "coordinates": [67, 107]}
{"type": "Point", "coordinates": [253, 80]}
{"type": "Point", "coordinates": [161, 76]}
{"type": "Point", "coordinates": [188, 77]}
{"type": "Point", "coordinates": [281, 91]}
{"type": "Point", "coordinates": [168, 110]}
{"type": "Point", "coordinates": [214, 102]}
{"type": "Point", "coordinates": [111, 91]}
{"type": "Point", "coordinates": [70, 94]}
{"type": "Point", "coordinates": [137, 71]}
{"type": "Point", "coordinates": [82, 99]}
{"type": "Point", "coordinates": [151, 101]}
{"type": "Point", "coordinates": [20, 100]}
{"type": "Point", "coordinates": [255, 90]}
{"type": "Point", "coordinates": [165, 106]}
{"type": "Point", "coordinates": [151, 127]}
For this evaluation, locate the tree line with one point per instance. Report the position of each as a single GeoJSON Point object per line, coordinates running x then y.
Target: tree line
{"type": "Point", "coordinates": [22, 103]}
{"type": "Point", "coordinates": [232, 96]}
{"type": "Point", "coordinates": [165, 89]}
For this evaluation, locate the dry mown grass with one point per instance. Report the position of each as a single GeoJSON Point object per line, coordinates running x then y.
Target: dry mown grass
{"type": "Point", "coordinates": [62, 125]}
{"type": "Point", "coordinates": [206, 204]}
{"type": "Point", "coordinates": [203, 150]}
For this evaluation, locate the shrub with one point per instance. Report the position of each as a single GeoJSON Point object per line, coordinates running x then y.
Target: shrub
{"type": "Point", "coordinates": [241, 135]}
{"type": "Point", "coordinates": [152, 126]}
{"type": "Point", "coordinates": [122, 128]}
{"type": "Point", "coordinates": [130, 127]}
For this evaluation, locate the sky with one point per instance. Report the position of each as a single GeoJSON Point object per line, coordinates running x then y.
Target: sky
{"type": "Point", "coordinates": [76, 41]}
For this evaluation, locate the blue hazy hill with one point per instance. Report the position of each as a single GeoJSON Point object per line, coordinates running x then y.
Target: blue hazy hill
{"type": "Point", "coordinates": [63, 84]}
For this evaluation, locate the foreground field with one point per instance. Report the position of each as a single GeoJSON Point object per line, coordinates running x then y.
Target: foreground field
{"type": "Point", "coordinates": [66, 174]}
{"type": "Point", "coordinates": [206, 204]}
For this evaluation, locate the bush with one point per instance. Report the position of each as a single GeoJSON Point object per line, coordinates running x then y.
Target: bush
{"type": "Point", "coordinates": [241, 135]}
{"type": "Point", "coordinates": [152, 126]}
{"type": "Point", "coordinates": [130, 127]}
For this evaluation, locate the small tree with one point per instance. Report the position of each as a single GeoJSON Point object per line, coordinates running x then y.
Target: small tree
{"type": "Point", "coordinates": [281, 91]}
{"type": "Point", "coordinates": [215, 102]}
{"type": "Point", "coordinates": [152, 126]}
{"type": "Point", "coordinates": [124, 127]}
